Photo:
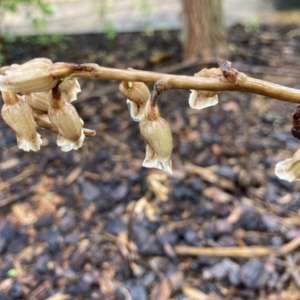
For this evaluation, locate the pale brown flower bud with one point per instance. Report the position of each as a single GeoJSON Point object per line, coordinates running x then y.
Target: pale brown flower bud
{"type": "Point", "coordinates": [32, 76]}
{"type": "Point", "coordinates": [137, 94]}
{"type": "Point", "coordinates": [41, 100]}
{"type": "Point", "coordinates": [157, 134]}
{"type": "Point", "coordinates": [64, 116]}
{"type": "Point", "coordinates": [289, 169]}
{"type": "Point", "coordinates": [202, 99]}
{"type": "Point", "coordinates": [18, 115]}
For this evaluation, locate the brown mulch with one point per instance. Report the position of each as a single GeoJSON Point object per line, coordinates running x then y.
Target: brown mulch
{"type": "Point", "coordinates": [94, 224]}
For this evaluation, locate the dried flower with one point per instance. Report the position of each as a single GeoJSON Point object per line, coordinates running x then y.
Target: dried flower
{"type": "Point", "coordinates": [32, 76]}
{"type": "Point", "coordinates": [69, 89]}
{"type": "Point", "coordinates": [18, 115]}
{"type": "Point", "coordinates": [137, 94]}
{"type": "Point", "coordinates": [201, 99]}
{"type": "Point", "coordinates": [289, 169]}
{"type": "Point", "coordinates": [65, 118]}
{"type": "Point", "coordinates": [41, 100]}
{"type": "Point", "coordinates": [157, 134]}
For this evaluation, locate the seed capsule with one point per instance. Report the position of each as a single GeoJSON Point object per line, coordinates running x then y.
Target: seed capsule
{"type": "Point", "coordinates": [296, 132]}
{"type": "Point", "coordinates": [296, 117]}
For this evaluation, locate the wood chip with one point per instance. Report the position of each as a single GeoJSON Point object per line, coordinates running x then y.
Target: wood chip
{"type": "Point", "coordinates": [9, 164]}
{"type": "Point", "coordinates": [194, 294]}
{"type": "Point", "coordinates": [59, 297]}
{"type": "Point", "coordinates": [217, 195]}
{"type": "Point", "coordinates": [205, 173]}
{"type": "Point", "coordinates": [73, 176]}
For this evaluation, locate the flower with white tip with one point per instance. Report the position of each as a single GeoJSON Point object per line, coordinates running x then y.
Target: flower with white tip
{"type": "Point", "coordinates": [69, 89]}
{"type": "Point", "coordinates": [65, 118]}
{"type": "Point", "coordinates": [157, 134]}
{"type": "Point", "coordinates": [137, 94]}
{"type": "Point", "coordinates": [201, 99]}
{"type": "Point", "coordinates": [18, 115]}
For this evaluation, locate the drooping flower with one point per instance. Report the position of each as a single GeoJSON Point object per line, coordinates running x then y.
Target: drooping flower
{"type": "Point", "coordinates": [17, 113]}
{"type": "Point", "coordinates": [65, 118]}
{"type": "Point", "coordinates": [41, 100]}
{"type": "Point", "coordinates": [32, 76]}
{"type": "Point", "coordinates": [289, 169]}
{"type": "Point", "coordinates": [157, 134]}
{"type": "Point", "coordinates": [201, 99]}
{"type": "Point", "coordinates": [137, 94]}
{"type": "Point", "coordinates": [69, 89]}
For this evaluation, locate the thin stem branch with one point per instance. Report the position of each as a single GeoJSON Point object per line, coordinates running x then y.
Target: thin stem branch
{"type": "Point", "coordinates": [232, 80]}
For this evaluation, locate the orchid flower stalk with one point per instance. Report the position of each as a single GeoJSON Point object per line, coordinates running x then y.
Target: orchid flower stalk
{"type": "Point", "coordinates": [56, 82]}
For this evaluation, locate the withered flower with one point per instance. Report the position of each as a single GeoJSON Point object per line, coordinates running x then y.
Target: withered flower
{"type": "Point", "coordinates": [41, 100]}
{"type": "Point", "coordinates": [289, 169]}
{"type": "Point", "coordinates": [17, 113]}
{"type": "Point", "coordinates": [69, 89]}
{"type": "Point", "coordinates": [202, 99]}
{"type": "Point", "coordinates": [157, 134]}
{"type": "Point", "coordinates": [65, 118]}
{"type": "Point", "coordinates": [32, 76]}
{"type": "Point", "coordinates": [137, 94]}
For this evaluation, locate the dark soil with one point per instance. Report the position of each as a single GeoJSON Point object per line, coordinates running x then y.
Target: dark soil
{"type": "Point", "coordinates": [94, 224]}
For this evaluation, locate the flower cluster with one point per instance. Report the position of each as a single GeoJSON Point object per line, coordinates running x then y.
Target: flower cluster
{"type": "Point", "coordinates": [32, 97]}
{"type": "Point", "coordinates": [154, 129]}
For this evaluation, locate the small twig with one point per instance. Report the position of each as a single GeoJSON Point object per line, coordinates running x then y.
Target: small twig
{"type": "Point", "coordinates": [9, 200]}
{"type": "Point", "coordinates": [244, 252]}
{"type": "Point", "coordinates": [26, 173]}
{"type": "Point", "coordinates": [293, 271]}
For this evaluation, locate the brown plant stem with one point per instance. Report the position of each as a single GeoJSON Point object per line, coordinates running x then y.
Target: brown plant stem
{"type": "Point", "coordinates": [232, 80]}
